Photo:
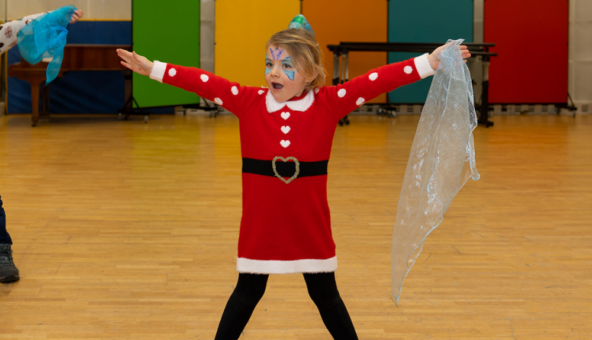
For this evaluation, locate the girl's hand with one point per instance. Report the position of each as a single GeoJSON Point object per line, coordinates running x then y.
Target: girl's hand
{"type": "Point", "coordinates": [76, 16]}
{"type": "Point", "coordinates": [433, 58]}
{"type": "Point", "coordinates": [135, 62]}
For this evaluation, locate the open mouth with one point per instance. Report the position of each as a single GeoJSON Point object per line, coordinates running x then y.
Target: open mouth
{"type": "Point", "coordinates": [277, 86]}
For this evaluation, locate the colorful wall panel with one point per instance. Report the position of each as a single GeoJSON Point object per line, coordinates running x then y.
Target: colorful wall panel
{"type": "Point", "coordinates": [426, 21]}
{"type": "Point", "coordinates": [531, 38]}
{"type": "Point", "coordinates": [242, 31]}
{"type": "Point", "coordinates": [349, 20]}
{"type": "Point", "coordinates": [175, 40]}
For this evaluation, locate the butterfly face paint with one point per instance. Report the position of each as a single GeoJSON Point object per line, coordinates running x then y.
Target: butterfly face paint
{"type": "Point", "coordinates": [268, 65]}
{"type": "Point", "coordinates": [276, 53]}
{"type": "Point", "coordinates": [282, 77]}
{"type": "Point", "coordinates": [288, 68]}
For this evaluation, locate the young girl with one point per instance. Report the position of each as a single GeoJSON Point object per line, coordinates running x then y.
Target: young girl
{"type": "Point", "coordinates": [286, 135]}
{"type": "Point", "coordinates": [8, 39]}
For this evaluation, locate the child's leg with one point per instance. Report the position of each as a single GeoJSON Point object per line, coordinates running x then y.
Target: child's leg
{"type": "Point", "coordinates": [4, 237]}
{"type": "Point", "coordinates": [322, 289]}
{"type": "Point", "coordinates": [8, 271]}
{"type": "Point", "coordinates": [249, 290]}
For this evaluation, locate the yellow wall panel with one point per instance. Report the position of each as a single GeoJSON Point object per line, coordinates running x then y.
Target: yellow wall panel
{"type": "Point", "coordinates": [334, 21]}
{"type": "Point", "coordinates": [242, 31]}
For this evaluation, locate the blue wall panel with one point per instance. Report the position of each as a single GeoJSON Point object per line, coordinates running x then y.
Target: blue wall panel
{"type": "Point", "coordinates": [425, 21]}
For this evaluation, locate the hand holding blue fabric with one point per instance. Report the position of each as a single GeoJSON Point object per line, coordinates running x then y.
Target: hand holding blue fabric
{"type": "Point", "coordinates": [45, 37]}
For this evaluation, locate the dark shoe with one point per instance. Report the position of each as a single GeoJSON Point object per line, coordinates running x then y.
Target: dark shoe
{"type": "Point", "coordinates": [8, 271]}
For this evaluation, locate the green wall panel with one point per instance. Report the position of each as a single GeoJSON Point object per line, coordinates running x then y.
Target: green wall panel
{"type": "Point", "coordinates": [168, 32]}
{"type": "Point", "coordinates": [425, 21]}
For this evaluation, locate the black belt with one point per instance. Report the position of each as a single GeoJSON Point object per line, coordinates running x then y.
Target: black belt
{"type": "Point", "coordinates": [281, 167]}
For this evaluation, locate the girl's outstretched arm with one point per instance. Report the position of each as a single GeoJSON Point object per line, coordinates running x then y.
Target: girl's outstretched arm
{"type": "Point", "coordinates": [345, 98]}
{"type": "Point", "coordinates": [230, 95]}
{"type": "Point", "coordinates": [135, 62]}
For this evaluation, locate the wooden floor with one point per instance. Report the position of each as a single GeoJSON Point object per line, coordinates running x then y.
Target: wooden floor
{"type": "Point", "coordinates": [126, 230]}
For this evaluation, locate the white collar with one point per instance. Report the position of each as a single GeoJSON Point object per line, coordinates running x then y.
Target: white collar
{"type": "Point", "coordinates": [296, 105]}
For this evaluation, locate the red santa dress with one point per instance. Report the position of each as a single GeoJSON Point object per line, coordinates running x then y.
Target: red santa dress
{"type": "Point", "coordinates": [286, 224]}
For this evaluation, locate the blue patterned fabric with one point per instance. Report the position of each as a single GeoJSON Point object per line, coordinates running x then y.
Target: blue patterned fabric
{"type": "Point", "coordinates": [45, 37]}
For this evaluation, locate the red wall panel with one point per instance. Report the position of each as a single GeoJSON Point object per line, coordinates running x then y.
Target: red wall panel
{"type": "Point", "coordinates": [531, 38]}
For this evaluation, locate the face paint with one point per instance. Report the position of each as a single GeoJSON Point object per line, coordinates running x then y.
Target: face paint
{"type": "Point", "coordinates": [276, 54]}
{"type": "Point", "coordinates": [268, 65]}
{"type": "Point", "coordinates": [286, 82]}
{"type": "Point", "coordinates": [290, 74]}
{"type": "Point", "coordinates": [289, 69]}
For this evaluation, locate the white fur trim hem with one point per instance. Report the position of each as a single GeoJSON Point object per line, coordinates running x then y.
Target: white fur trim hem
{"type": "Point", "coordinates": [158, 70]}
{"type": "Point", "coordinates": [422, 64]}
{"type": "Point", "coordinates": [244, 265]}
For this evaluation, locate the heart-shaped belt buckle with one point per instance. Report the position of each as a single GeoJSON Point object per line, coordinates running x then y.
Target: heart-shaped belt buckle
{"type": "Point", "coordinates": [287, 181]}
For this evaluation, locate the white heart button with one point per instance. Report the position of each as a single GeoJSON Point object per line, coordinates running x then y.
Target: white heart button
{"type": "Point", "coordinates": [285, 143]}
{"type": "Point", "coordinates": [234, 90]}
{"type": "Point", "coordinates": [204, 78]}
{"type": "Point", "coordinates": [285, 129]}
{"type": "Point", "coordinates": [285, 115]}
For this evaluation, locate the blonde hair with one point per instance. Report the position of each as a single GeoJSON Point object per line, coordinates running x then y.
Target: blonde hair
{"type": "Point", "coordinates": [305, 51]}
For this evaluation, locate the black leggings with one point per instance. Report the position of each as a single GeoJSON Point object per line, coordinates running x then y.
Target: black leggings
{"type": "Point", "coordinates": [250, 288]}
{"type": "Point", "coordinates": [4, 237]}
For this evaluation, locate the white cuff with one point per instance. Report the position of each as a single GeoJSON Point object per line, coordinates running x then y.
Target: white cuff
{"type": "Point", "coordinates": [158, 70]}
{"type": "Point", "coordinates": [422, 64]}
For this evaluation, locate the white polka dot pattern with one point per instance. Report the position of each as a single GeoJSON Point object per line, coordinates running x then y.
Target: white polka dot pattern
{"type": "Point", "coordinates": [373, 76]}
{"type": "Point", "coordinates": [218, 101]}
{"type": "Point", "coordinates": [260, 92]}
{"type": "Point", "coordinates": [204, 78]}
{"type": "Point", "coordinates": [341, 93]}
{"type": "Point", "coordinates": [360, 101]}
{"type": "Point", "coordinates": [285, 129]}
{"type": "Point", "coordinates": [408, 69]}
{"type": "Point", "coordinates": [172, 72]}
{"type": "Point", "coordinates": [285, 115]}
{"type": "Point", "coordinates": [234, 90]}
{"type": "Point", "coordinates": [285, 143]}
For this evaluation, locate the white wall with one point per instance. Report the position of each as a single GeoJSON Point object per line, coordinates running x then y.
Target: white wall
{"type": "Point", "coordinates": [475, 64]}
{"type": "Point", "coordinates": [580, 54]}
{"type": "Point", "coordinates": [2, 10]}
{"type": "Point", "coordinates": [93, 9]}
{"type": "Point", "coordinates": [207, 34]}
